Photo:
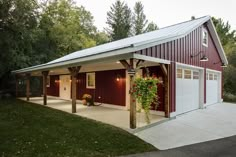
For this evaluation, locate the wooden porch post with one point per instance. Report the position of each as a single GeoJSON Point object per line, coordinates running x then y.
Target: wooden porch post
{"type": "Point", "coordinates": [27, 86]}
{"type": "Point", "coordinates": [74, 72]}
{"type": "Point", "coordinates": [131, 72]}
{"type": "Point", "coordinates": [165, 70]}
{"type": "Point", "coordinates": [45, 75]}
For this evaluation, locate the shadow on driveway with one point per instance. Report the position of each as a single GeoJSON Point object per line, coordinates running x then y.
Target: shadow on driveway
{"type": "Point", "coordinates": [225, 147]}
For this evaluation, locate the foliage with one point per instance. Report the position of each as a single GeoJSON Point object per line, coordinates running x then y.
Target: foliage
{"type": "Point", "coordinates": [151, 27]}
{"type": "Point", "coordinates": [47, 29]}
{"type": "Point", "coordinates": [18, 19]}
{"type": "Point", "coordinates": [229, 97]}
{"type": "Point", "coordinates": [139, 19]}
{"type": "Point", "coordinates": [66, 26]}
{"type": "Point", "coordinates": [88, 99]}
{"type": "Point", "coordinates": [34, 130]}
{"type": "Point", "coordinates": [145, 91]}
{"type": "Point", "coordinates": [228, 40]}
{"type": "Point", "coordinates": [119, 21]}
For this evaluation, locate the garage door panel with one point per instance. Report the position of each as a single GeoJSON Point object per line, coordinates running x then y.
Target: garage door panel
{"type": "Point", "coordinates": [187, 90]}
{"type": "Point", "coordinates": [212, 91]}
{"type": "Point", "coordinates": [179, 95]}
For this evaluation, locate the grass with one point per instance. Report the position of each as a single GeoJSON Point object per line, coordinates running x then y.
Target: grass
{"type": "Point", "coordinates": [32, 130]}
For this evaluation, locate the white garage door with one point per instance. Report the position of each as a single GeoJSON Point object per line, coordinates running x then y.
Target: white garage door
{"type": "Point", "coordinates": [212, 88]}
{"type": "Point", "coordinates": [187, 90]}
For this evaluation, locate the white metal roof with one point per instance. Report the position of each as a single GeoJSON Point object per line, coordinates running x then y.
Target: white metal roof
{"type": "Point", "coordinates": [137, 42]}
{"type": "Point", "coordinates": [167, 32]}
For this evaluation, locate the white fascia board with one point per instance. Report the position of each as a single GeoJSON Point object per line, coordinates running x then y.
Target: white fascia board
{"type": "Point", "coordinates": [151, 59]}
{"type": "Point", "coordinates": [103, 57]}
{"type": "Point", "coordinates": [189, 66]}
{"type": "Point", "coordinates": [214, 71]}
{"type": "Point", "coordinates": [217, 41]}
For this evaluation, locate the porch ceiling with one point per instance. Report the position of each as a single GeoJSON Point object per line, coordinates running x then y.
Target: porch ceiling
{"type": "Point", "coordinates": [102, 66]}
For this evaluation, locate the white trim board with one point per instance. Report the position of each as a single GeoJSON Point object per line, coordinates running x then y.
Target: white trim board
{"type": "Point", "coordinates": [189, 66]}
{"type": "Point", "coordinates": [151, 59]}
{"type": "Point", "coordinates": [214, 71]}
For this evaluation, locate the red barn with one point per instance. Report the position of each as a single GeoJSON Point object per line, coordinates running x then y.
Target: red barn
{"type": "Point", "coordinates": [188, 57]}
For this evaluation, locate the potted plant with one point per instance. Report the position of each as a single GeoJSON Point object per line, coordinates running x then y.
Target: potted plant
{"type": "Point", "coordinates": [145, 92]}
{"type": "Point", "coordinates": [87, 100]}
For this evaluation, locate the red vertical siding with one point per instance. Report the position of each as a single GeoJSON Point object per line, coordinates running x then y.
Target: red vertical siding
{"type": "Point", "coordinates": [108, 88]}
{"type": "Point", "coordinates": [180, 51]}
{"type": "Point", "coordinates": [53, 90]}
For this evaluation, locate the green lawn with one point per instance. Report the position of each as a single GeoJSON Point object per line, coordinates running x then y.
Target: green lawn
{"type": "Point", "coordinates": [36, 131]}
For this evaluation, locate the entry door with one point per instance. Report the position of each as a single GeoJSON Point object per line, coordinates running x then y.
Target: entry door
{"type": "Point", "coordinates": [187, 90]}
{"type": "Point", "coordinates": [65, 87]}
{"type": "Point", "coordinates": [212, 90]}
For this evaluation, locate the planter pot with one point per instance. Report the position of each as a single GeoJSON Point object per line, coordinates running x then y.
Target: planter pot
{"type": "Point", "coordinates": [84, 102]}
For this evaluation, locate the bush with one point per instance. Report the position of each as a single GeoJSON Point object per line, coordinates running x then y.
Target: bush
{"type": "Point", "coordinates": [227, 97]}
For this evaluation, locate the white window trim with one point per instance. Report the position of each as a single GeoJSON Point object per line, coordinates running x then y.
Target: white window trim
{"type": "Point", "coordinates": [204, 30]}
{"type": "Point", "coordinates": [87, 86]}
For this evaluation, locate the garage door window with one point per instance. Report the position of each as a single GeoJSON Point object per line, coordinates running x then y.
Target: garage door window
{"type": "Point", "coordinates": [195, 75]}
{"type": "Point", "coordinates": [210, 76]}
{"type": "Point", "coordinates": [179, 73]}
{"type": "Point", "coordinates": [207, 76]}
{"type": "Point", "coordinates": [215, 77]}
{"type": "Point", "coordinates": [187, 74]}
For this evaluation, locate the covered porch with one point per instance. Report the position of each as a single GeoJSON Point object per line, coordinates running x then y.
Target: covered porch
{"type": "Point", "coordinates": [108, 115]}
{"type": "Point", "coordinates": [132, 65]}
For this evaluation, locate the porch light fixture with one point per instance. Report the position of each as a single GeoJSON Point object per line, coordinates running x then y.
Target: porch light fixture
{"type": "Point", "coordinates": [131, 72]}
{"type": "Point", "coordinates": [222, 64]}
{"type": "Point", "coordinates": [204, 58]}
{"type": "Point", "coordinates": [117, 77]}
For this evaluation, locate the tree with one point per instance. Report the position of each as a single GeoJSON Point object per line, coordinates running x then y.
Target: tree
{"type": "Point", "coordinates": [66, 27]}
{"type": "Point", "coordinates": [34, 32]}
{"type": "Point", "coordinates": [139, 19]}
{"type": "Point", "coordinates": [151, 27]}
{"type": "Point", "coordinates": [18, 19]}
{"type": "Point", "coordinates": [224, 31]}
{"type": "Point", "coordinates": [119, 21]}
{"type": "Point", "coordinates": [101, 38]}
{"type": "Point", "coordinates": [228, 40]}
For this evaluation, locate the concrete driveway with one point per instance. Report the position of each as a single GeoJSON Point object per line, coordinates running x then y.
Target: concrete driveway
{"type": "Point", "coordinates": [215, 122]}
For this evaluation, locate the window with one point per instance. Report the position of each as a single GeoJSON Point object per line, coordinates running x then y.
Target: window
{"type": "Point", "coordinates": [179, 73]}
{"type": "Point", "coordinates": [48, 81]}
{"type": "Point", "coordinates": [204, 37]}
{"type": "Point", "coordinates": [195, 75]}
{"type": "Point", "coordinates": [215, 77]}
{"type": "Point", "coordinates": [90, 80]}
{"type": "Point", "coordinates": [187, 74]}
{"type": "Point", "coordinates": [210, 76]}
{"type": "Point", "coordinates": [207, 76]}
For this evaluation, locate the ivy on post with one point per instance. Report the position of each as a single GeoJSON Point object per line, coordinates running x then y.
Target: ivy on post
{"type": "Point", "coordinates": [145, 91]}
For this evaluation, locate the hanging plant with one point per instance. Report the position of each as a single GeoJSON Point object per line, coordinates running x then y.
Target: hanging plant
{"type": "Point", "coordinates": [145, 91]}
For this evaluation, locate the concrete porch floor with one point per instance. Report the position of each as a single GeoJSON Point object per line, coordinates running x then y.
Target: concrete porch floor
{"type": "Point", "coordinates": [112, 116]}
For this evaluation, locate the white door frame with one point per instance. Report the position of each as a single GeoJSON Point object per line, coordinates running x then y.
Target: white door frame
{"type": "Point", "coordinates": [201, 82]}
{"type": "Point", "coordinates": [65, 86]}
{"type": "Point", "coordinates": [219, 79]}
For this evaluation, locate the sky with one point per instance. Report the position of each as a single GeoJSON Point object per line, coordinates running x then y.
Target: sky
{"type": "Point", "coordinates": [167, 12]}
